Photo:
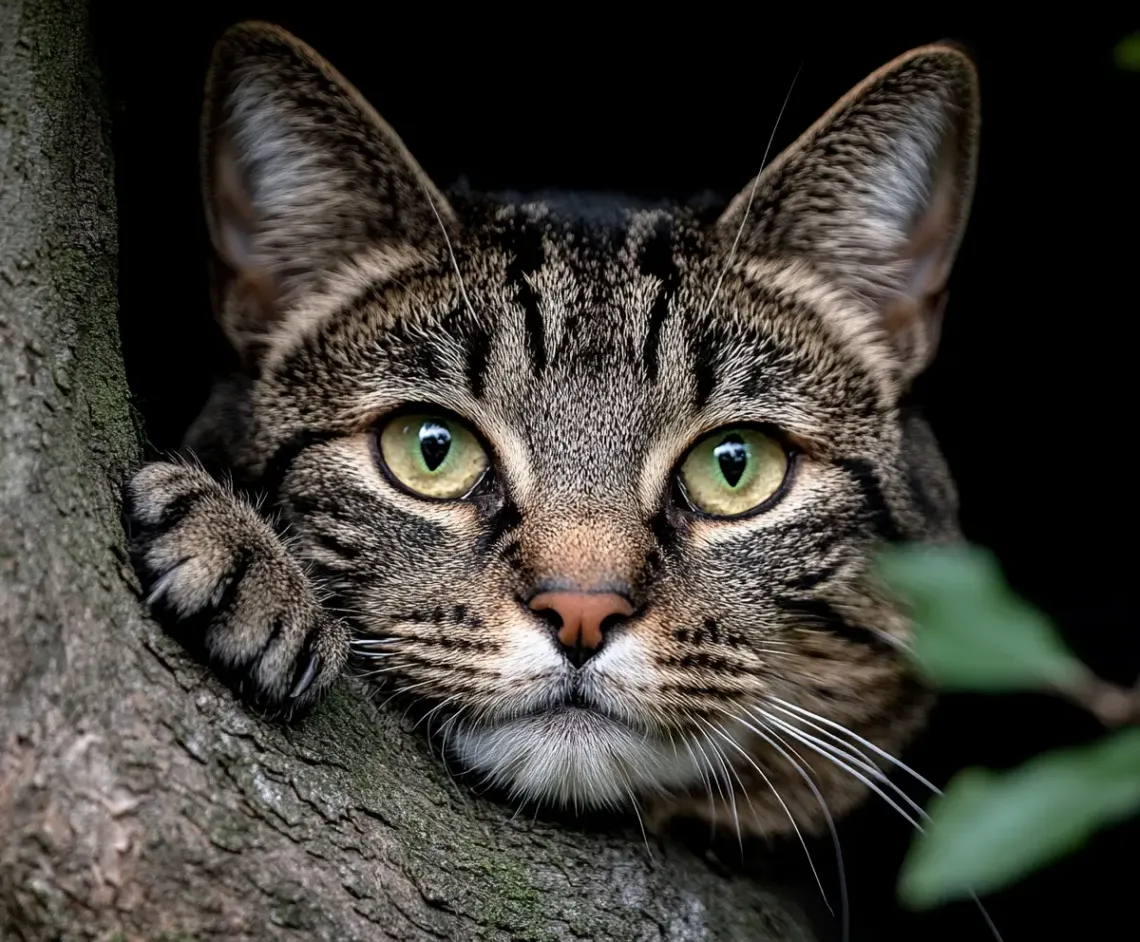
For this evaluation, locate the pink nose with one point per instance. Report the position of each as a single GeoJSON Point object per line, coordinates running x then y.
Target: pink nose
{"type": "Point", "coordinates": [581, 618]}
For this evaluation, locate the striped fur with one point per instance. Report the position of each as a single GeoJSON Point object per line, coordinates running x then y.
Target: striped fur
{"type": "Point", "coordinates": [590, 344]}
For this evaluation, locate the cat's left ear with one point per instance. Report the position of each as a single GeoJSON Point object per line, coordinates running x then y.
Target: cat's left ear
{"type": "Point", "coordinates": [876, 194]}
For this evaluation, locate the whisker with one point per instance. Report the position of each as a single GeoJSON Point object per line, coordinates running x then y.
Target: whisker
{"type": "Point", "coordinates": [450, 727]}
{"type": "Point", "coordinates": [704, 778]}
{"type": "Point", "coordinates": [450, 250]}
{"type": "Point", "coordinates": [399, 691]}
{"type": "Point", "coordinates": [846, 744]}
{"type": "Point", "coordinates": [637, 813]}
{"type": "Point", "coordinates": [715, 778]}
{"type": "Point", "coordinates": [834, 752]}
{"type": "Point", "coordinates": [846, 767]}
{"type": "Point", "coordinates": [454, 718]}
{"type": "Point", "coordinates": [844, 907]}
{"type": "Point", "coordinates": [751, 196]}
{"type": "Point", "coordinates": [327, 595]}
{"type": "Point", "coordinates": [863, 742]}
{"type": "Point", "coordinates": [788, 811]}
{"type": "Point", "coordinates": [792, 749]}
{"type": "Point", "coordinates": [427, 716]}
{"type": "Point", "coordinates": [372, 642]}
{"type": "Point", "coordinates": [793, 709]}
{"type": "Point", "coordinates": [451, 779]}
{"type": "Point", "coordinates": [364, 675]}
{"type": "Point", "coordinates": [726, 766]}
{"type": "Point", "coordinates": [736, 776]}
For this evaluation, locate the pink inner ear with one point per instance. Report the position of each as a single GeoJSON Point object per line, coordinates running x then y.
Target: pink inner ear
{"type": "Point", "coordinates": [914, 318]}
{"type": "Point", "coordinates": [252, 293]}
{"type": "Point", "coordinates": [930, 248]}
{"type": "Point", "coordinates": [233, 212]}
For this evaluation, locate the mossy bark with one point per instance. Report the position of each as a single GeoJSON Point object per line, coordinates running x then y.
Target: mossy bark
{"type": "Point", "coordinates": [138, 800]}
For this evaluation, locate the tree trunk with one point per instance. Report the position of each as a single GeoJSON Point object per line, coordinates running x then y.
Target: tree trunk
{"type": "Point", "coordinates": [138, 800]}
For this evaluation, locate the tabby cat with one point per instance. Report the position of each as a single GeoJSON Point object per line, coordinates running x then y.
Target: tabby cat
{"type": "Point", "coordinates": [599, 485]}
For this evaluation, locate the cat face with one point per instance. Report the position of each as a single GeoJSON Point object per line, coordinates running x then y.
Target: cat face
{"type": "Point", "coordinates": [598, 484]}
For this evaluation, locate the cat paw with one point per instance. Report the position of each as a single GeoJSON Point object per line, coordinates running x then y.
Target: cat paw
{"type": "Point", "coordinates": [219, 577]}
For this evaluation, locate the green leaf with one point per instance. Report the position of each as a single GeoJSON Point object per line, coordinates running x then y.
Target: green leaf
{"type": "Point", "coordinates": [971, 632]}
{"type": "Point", "coordinates": [1127, 53]}
{"type": "Point", "coordinates": [989, 829]}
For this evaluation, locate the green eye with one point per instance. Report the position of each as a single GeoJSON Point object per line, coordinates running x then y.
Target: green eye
{"type": "Point", "coordinates": [432, 456]}
{"type": "Point", "coordinates": [733, 471]}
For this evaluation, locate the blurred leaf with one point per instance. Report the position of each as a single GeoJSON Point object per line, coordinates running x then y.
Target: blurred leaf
{"type": "Point", "coordinates": [1127, 53]}
{"type": "Point", "coordinates": [971, 632]}
{"type": "Point", "coordinates": [989, 829]}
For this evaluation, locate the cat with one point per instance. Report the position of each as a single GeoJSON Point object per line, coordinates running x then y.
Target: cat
{"type": "Point", "coordinates": [601, 486]}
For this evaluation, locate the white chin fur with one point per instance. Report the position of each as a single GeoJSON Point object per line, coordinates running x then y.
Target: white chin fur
{"type": "Point", "coordinates": [574, 758]}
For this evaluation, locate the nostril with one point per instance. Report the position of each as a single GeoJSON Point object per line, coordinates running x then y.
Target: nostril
{"type": "Point", "coordinates": [551, 617]}
{"type": "Point", "coordinates": [580, 619]}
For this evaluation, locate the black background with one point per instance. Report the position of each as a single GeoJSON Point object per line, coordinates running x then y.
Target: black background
{"type": "Point", "coordinates": [1029, 392]}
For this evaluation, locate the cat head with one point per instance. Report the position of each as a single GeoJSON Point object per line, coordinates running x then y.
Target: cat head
{"type": "Point", "coordinates": [601, 484]}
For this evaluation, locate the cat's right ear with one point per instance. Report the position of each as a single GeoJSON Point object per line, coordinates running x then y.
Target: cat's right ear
{"type": "Point", "coordinates": [300, 178]}
{"type": "Point", "coordinates": [875, 197]}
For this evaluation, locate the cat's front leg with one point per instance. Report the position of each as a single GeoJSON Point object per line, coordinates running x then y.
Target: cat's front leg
{"type": "Point", "coordinates": [220, 578]}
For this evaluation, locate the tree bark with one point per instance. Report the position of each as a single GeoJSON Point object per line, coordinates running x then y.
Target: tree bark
{"type": "Point", "coordinates": [138, 799]}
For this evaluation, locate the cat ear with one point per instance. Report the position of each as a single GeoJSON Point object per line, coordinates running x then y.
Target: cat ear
{"type": "Point", "coordinates": [875, 195]}
{"type": "Point", "coordinates": [299, 176]}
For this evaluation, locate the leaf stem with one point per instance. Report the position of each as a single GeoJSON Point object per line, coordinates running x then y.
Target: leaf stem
{"type": "Point", "coordinates": [1110, 703]}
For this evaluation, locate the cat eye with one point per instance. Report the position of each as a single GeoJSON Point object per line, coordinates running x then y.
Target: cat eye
{"type": "Point", "coordinates": [432, 455]}
{"type": "Point", "coordinates": [734, 471]}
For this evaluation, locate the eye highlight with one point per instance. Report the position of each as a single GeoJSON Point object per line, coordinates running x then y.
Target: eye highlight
{"type": "Point", "coordinates": [733, 471]}
{"type": "Point", "coordinates": [432, 455]}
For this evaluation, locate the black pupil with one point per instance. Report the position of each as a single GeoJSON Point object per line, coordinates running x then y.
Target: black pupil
{"type": "Point", "coordinates": [435, 443]}
{"type": "Point", "coordinates": [732, 456]}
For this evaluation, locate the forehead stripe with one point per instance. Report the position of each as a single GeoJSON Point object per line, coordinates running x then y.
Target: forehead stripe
{"type": "Point", "coordinates": [477, 349]}
{"type": "Point", "coordinates": [656, 259]}
{"type": "Point", "coordinates": [528, 256]}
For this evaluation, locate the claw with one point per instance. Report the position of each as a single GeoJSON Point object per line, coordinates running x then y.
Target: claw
{"type": "Point", "coordinates": [307, 676]}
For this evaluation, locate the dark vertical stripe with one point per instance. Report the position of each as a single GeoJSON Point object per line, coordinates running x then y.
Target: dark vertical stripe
{"type": "Point", "coordinates": [666, 533]}
{"type": "Point", "coordinates": [524, 242]}
{"type": "Point", "coordinates": [702, 349]}
{"type": "Point", "coordinates": [478, 349]}
{"type": "Point", "coordinates": [880, 517]}
{"type": "Point", "coordinates": [413, 358]}
{"type": "Point", "coordinates": [503, 522]}
{"type": "Point", "coordinates": [656, 259]}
